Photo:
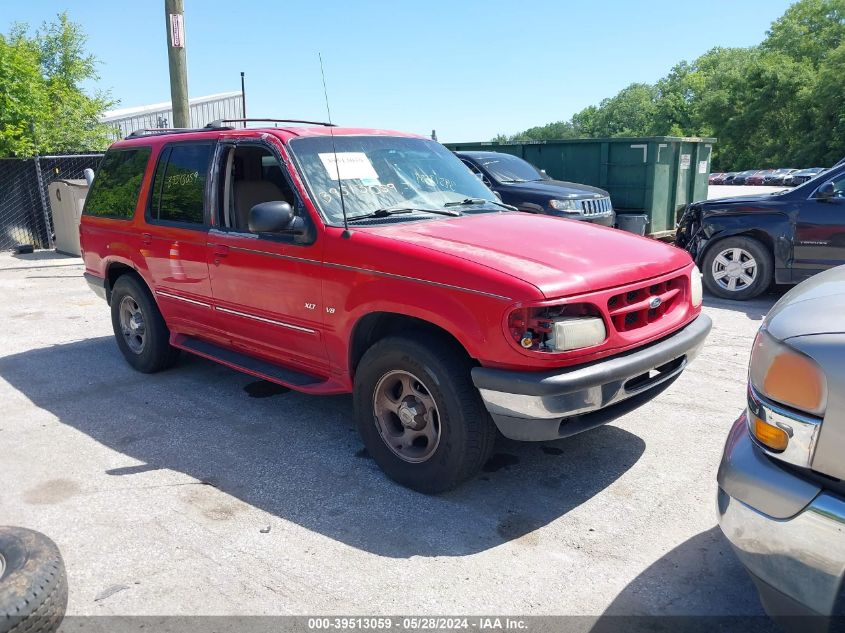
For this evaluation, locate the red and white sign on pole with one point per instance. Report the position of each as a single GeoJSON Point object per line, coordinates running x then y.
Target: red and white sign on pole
{"type": "Point", "coordinates": [177, 30]}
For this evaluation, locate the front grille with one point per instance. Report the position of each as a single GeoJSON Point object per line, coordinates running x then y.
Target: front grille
{"type": "Point", "coordinates": [635, 308]}
{"type": "Point", "coordinates": [596, 206]}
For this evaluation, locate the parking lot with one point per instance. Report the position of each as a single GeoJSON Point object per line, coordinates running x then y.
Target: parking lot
{"type": "Point", "coordinates": [202, 491]}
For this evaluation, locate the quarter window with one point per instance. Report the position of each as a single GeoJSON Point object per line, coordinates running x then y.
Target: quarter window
{"type": "Point", "coordinates": [114, 192]}
{"type": "Point", "coordinates": [179, 184]}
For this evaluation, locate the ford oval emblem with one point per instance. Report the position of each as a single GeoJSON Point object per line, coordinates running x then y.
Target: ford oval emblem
{"type": "Point", "coordinates": [654, 302]}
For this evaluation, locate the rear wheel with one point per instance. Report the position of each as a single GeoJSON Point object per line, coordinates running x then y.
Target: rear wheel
{"type": "Point", "coordinates": [419, 414]}
{"type": "Point", "coordinates": [139, 328]}
{"type": "Point", "coordinates": [737, 268]}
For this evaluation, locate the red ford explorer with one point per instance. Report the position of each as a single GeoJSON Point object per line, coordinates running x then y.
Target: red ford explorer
{"type": "Point", "coordinates": [334, 260]}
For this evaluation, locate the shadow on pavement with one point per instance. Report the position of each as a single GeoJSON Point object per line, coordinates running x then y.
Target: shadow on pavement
{"type": "Point", "coordinates": [298, 457]}
{"type": "Point", "coordinates": [698, 586]}
{"type": "Point", "coordinates": [755, 309]}
{"type": "Point", "coordinates": [46, 255]}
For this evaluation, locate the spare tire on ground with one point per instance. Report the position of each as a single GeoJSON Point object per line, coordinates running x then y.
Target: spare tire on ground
{"type": "Point", "coordinates": [33, 586]}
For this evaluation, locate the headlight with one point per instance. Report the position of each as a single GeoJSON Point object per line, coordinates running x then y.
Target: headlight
{"type": "Point", "coordinates": [576, 332]}
{"type": "Point", "coordinates": [696, 292]}
{"type": "Point", "coordinates": [787, 376]}
{"type": "Point", "coordinates": [557, 328]}
{"type": "Point", "coordinates": [564, 205]}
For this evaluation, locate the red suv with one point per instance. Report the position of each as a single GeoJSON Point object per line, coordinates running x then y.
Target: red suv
{"type": "Point", "coordinates": [334, 260]}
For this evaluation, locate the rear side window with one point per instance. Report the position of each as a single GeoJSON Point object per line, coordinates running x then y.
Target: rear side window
{"type": "Point", "coordinates": [178, 191]}
{"type": "Point", "coordinates": [114, 192]}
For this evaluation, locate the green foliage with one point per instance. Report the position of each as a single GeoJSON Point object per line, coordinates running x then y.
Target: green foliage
{"type": "Point", "coordinates": [43, 108]}
{"type": "Point", "coordinates": [776, 104]}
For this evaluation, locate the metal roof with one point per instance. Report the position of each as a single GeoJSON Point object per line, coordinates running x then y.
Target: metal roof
{"type": "Point", "coordinates": [165, 106]}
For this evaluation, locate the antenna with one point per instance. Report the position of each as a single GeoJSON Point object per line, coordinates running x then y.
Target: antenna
{"type": "Point", "coordinates": [334, 151]}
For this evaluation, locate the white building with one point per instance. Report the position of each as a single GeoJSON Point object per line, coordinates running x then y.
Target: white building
{"type": "Point", "coordinates": [203, 110]}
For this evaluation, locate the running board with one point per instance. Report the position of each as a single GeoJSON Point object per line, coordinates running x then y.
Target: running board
{"type": "Point", "coordinates": [248, 364]}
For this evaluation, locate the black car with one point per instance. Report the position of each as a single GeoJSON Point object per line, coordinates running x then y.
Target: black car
{"type": "Point", "coordinates": [525, 187]}
{"type": "Point", "coordinates": [802, 176]}
{"type": "Point", "coordinates": [740, 177]}
{"type": "Point", "coordinates": [742, 244]}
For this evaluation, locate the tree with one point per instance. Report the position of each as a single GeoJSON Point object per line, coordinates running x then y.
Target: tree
{"type": "Point", "coordinates": [776, 104]}
{"type": "Point", "coordinates": [808, 31]}
{"type": "Point", "coordinates": [43, 108]}
{"type": "Point", "coordinates": [629, 113]}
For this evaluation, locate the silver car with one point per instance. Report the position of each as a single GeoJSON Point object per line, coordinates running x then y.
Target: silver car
{"type": "Point", "coordinates": [781, 493]}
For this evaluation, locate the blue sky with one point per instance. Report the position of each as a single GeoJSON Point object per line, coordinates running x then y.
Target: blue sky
{"type": "Point", "coordinates": [467, 69]}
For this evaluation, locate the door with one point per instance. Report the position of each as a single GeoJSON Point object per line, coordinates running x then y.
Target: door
{"type": "Point", "coordinates": [820, 232]}
{"type": "Point", "coordinates": [174, 238]}
{"type": "Point", "coordinates": [267, 287]}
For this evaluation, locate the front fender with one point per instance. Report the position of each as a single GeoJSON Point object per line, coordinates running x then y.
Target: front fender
{"type": "Point", "coordinates": [775, 230]}
{"type": "Point", "coordinates": [473, 320]}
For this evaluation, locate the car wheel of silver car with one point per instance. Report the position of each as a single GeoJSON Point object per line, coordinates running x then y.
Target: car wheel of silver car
{"type": "Point", "coordinates": [139, 328]}
{"type": "Point", "coordinates": [419, 415]}
{"type": "Point", "coordinates": [737, 268]}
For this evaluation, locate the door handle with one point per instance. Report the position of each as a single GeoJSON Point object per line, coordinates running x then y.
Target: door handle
{"type": "Point", "coordinates": [220, 250]}
{"type": "Point", "coordinates": [146, 238]}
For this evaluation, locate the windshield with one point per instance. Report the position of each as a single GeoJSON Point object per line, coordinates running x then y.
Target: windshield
{"type": "Point", "coordinates": [386, 172]}
{"type": "Point", "coordinates": [507, 168]}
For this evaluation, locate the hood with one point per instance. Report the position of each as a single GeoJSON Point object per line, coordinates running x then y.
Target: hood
{"type": "Point", "coordinates": [738, 200]}
{"type": "Point", "coordinates": [556, 188]}
{"type": "Point", "coordinates": [814, 306]}
{"type": "Point", "coordinates": [560, 257]}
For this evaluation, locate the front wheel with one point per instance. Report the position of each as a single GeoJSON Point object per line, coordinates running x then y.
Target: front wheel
{"type": "Point", "coordinates": [737, 268]}
{"type": "Point", "coordinates": [419, 414]}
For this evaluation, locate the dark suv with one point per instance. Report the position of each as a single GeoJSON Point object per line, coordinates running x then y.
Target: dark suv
{"type": "Point", "coordinates": [525, 187]}
{"type": "Point", "coordinates": [744, 243]}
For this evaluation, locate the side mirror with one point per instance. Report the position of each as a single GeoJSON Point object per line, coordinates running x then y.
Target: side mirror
{"type": "Point", "coordinates": [270, 217]}
{"type": "Point", "coordinates": [544, 174]}
{"type": "Point", "coordinates": [826, 191]}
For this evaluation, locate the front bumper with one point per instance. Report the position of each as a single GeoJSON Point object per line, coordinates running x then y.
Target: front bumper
{"type": "Point", "coordinates": [540, 406]}
{"type": "Point", "coordinates": [605, 219]}
{"type": "Point", "coordinates": [797, 562]}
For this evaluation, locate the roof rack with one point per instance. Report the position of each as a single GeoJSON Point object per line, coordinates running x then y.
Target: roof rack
{"type": "Point", "coordinates": [154, 131]}
{"type": "Point", "coordinates": [219, 123]}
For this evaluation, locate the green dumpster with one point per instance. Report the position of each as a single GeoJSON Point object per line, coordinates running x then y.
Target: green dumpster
{"type": "Point", "coordinates": [655, 176]}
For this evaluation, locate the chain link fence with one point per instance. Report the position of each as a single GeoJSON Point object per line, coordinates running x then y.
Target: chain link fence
{"type": "Point", "coordinates": [25, 216]}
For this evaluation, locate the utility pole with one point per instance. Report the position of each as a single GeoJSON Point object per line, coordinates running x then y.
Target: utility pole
{"type": "Point", "coordinates": [174, 14]}
{"type": "Point", "coordinates": [243, 98]}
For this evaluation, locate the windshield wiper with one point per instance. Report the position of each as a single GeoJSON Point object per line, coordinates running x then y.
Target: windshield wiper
{"type": "Point", "coordinates": [468, 201]}
{"type": "Point", "coordinates": [384, 213]}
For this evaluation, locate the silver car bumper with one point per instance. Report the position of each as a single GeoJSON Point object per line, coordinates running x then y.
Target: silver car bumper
{"type": "Point", "coordinates": [797, 562]}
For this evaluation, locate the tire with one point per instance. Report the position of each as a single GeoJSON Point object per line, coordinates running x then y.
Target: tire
{"type": "Point", "coordinates": [33, 585]}
{"type": "Point", "coordinates": [154, 352]}
{"type": "Point", "coordinates": [755, 268]}
{"type": "Point", "coordinates": [464, 431]}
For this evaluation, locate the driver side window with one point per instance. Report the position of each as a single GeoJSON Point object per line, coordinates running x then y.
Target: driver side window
{"type": "Point", "coordinates": [478, 173]}
{"type": "Point", "coordinates": [253, 175]}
